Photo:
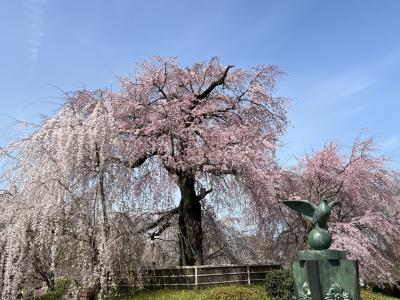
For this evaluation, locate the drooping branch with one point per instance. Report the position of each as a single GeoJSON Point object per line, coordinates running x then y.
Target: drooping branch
{"type": "Point", "coordinates": [162, 223]}
{"type": "Point", "coordinates": [221, 172]}
{"type": "Point", "coordinates": [6, 153]}
{"type": "Point", "coordinates": [102, 192]}
{"type": "Point", "coordinates": [165, 217]}
{"type": "Point", "coordinates": [160, 230]}
{"type": "Point", "coordinates": [134, 164]}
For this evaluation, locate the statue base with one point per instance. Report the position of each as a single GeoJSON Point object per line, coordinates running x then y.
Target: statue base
{"type": "Point", "coordinates": [325, 275]}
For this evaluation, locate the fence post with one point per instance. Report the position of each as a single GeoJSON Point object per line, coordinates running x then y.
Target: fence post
{"type": "Point", "coordinates": [248, 275]}
{"type": "Point", "coordinates": [195, 277]}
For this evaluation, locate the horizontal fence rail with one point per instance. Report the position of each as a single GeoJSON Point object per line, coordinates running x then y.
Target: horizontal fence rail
{"type": "Point", "coordinates": [205, 276]}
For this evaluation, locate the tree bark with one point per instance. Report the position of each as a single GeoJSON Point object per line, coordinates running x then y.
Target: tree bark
{"type": "Point", "coordinates": [190, 230]}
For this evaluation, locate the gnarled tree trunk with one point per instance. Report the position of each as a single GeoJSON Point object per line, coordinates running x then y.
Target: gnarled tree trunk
{"type": "Point", "coordinates": [190, 231]}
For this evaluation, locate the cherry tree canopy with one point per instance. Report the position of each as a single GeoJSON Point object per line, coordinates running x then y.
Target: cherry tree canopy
{"type": "Point", "coordinates": [202, 123]}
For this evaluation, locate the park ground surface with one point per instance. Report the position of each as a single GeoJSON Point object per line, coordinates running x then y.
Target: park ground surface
{"type": "Point", "coordinates": [196, 294]}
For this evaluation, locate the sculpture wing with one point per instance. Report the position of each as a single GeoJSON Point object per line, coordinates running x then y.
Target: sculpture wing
{"type": "Point", "coordinates": [305, 207]}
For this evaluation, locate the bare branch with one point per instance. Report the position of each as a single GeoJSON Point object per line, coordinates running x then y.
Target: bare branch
{"type": "Point", "coordinates": [214, 84]}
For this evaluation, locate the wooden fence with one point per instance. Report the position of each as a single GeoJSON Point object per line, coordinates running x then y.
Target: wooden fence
{"type": "Point", "coordinates": [205, 276]}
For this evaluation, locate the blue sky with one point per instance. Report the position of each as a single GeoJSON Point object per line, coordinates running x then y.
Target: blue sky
{"type": "Point", "coordinates": [341, 57]}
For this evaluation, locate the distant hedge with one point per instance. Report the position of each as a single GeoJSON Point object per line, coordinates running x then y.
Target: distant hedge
{"type": "Point", "coordinates": [279, 285]}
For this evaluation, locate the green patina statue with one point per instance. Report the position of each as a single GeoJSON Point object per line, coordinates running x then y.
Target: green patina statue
{"type": "Point", "coordinates": [322, 273]}
{"type": "Point", "coordinates": [319, 237]}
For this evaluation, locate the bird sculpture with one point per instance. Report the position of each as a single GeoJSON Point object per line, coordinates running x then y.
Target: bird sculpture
{"type": "Point", "coordinates": [319, 237]}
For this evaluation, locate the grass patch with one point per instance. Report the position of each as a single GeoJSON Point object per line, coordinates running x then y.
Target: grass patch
{"type": "Point", "coordinates": [162, 295]}
{"type": "Point", "coordinates": [366, 295]}
{"type": "Point", "coordinates": [181, 294]}
{"type": "Point", "coordinates": [198, 294]}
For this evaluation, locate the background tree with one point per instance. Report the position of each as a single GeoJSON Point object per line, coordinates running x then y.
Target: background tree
{"type": "Point", "coordinates": [63, 197]}
{"type": "Point", "coordinates": [365, 225]}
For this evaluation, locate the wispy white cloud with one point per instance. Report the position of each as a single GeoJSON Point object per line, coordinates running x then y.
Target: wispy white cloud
{"type": "Point", "coordinates": [342, 86]}
{"type": "Point", "coordinates": [347, 84]}
{"type": "Point", "coordinates": [391, 142]}
{"type": "Point", "coordinates": [351, 82]}
{"type": "Point", "coordinates": [35, 11]}
{"type": "Point", "coordinates": [349, 111]}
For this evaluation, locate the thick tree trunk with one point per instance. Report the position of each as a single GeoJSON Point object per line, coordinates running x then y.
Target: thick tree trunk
{"type": "Point", "coordinates": [190, 231]}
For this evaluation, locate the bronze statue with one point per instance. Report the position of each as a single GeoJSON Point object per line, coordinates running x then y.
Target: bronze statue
{"type": "Point", "coordinates": [319, 237]}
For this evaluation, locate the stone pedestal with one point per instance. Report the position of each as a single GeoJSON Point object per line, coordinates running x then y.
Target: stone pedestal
{"type": "Point", "coordinates": [325, 275]}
